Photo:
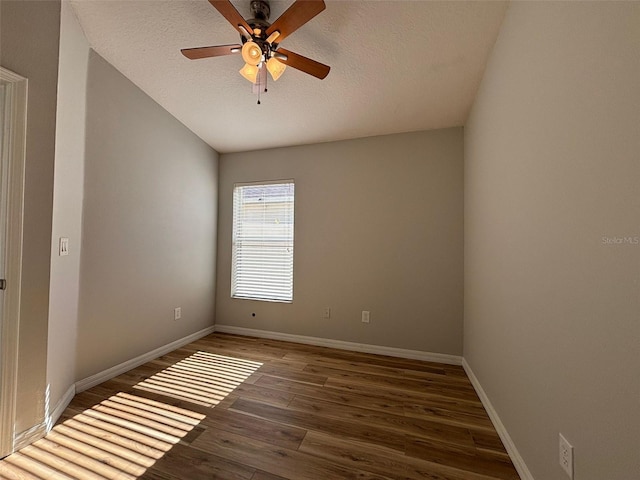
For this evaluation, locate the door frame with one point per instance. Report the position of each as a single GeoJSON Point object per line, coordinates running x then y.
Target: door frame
{"type": "Point", "coordinates": [12, 162]}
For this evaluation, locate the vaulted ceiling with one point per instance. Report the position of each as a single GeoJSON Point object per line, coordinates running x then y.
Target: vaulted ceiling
{"type": "Point", "coordinates": [396, 66]}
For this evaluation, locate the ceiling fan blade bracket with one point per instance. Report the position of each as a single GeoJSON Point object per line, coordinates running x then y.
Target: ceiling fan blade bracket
{"type": "Point", "coordinates": [247, 35]}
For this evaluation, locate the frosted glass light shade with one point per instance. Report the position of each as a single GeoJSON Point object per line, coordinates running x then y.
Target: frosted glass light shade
{"type": "Point", "coordinates": [272, 38]}
{"type": "Point", "coordinates": [275, 67]}
{"type": "Point", "coordinates": [251, 53]}
{"type": "Point", "coordinates": [250, 72]}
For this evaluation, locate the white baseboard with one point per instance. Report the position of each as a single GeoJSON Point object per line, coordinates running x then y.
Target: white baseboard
{"type": "Point", "coordinates": [108, 374]}
{"type": "Point", "coordinates": [60, 406]}
{"type": "Point", "coordinates": [27, 437]}
{"type": "Point", "coordinates": [36, 432]}
{"type": "Point", "coordinates": [342, 345]}
{"type": "Point", "coordinates": [515, 456]}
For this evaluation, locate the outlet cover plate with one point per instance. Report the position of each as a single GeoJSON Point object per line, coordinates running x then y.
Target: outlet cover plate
{"type": "Point", "coordinates": [566, 456]}
{"type": "Point", "coordinates": [177, 313]}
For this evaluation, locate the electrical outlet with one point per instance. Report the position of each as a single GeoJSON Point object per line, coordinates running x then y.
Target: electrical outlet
{"type": "Point", "coordinates": [177, 313]}
{"type": "Point", "coordinates": [326, 314]}
{"type": "Point", "coordinates": [566, 456]}
{"type": "Point", "coordinates": [365, 316]}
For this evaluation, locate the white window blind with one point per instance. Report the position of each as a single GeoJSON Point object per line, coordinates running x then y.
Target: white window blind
{"type": "Point", "coordinates": [262, 258]}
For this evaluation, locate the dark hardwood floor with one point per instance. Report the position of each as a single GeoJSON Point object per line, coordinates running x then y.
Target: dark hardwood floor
{"type": "Point", "coordinates": [231, 407]}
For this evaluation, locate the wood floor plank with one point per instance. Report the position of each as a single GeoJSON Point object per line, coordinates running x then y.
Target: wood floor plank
{"type": "Point", "coordinates": [322, 393]}
{"type": "Point", "coordinates": [375, 459]}
{"type": "Point", "coordinates": [241, 408]}
{"type": "Point", "coordinates": [428, 385]}
{"type": "Point", "coordinates": [420, 406]}
{"type": "Point", "coordinates": [33, 467]}
{"type": "Point", "coordinates": [257, 391]}
{"type": "Point", "coordinates": [260, 475]}
{"type": "Point", "coordinates": [285, 436]}
{"type": "Point", "coordinates": [450, 417]}
{"type": "Point", "coordinates": [439, 375]}
{"type": "Point", "coordinates": [320, 423]}
{"type": "Point", "coordinates": [154, 474]}
{"type": "Point", "coordinates": [290, 464]}
{"type": "Point", "coordinates": [196, 464]}
{"type": "Point", "coordinates": [303, 376]}
{"type": "Point", "coordinates": [418, 396]}
{"type": "Point", "coordinates": [386, 421]}
{"type": "Point", "coordinates": [13, 472]}
{"type": "Point", "coordinates": [381, 360]}
{"type": "Point", "coordinates": [489, 442]}
{"type": "Point", "coordinates": [467, 459]}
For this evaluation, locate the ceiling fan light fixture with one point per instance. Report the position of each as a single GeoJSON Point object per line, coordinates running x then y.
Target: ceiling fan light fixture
{"type": "Point", "coordinates": [271, 38]}
{"type": "Point", "coordinates": [251, 53]}
{"type": "Point", "coordinates": [250, 72]}
{"type": "Point", "coordinates": [260, 40]}
{"type": "Point", "coordinates": [276, 68]}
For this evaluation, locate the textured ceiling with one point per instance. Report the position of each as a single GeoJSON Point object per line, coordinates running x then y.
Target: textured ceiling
{"type": "Point", "coordinates": [396, 66]}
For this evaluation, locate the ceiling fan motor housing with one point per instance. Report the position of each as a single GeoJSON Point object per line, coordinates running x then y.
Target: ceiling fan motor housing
{"type": "Point", "coordinates": [260, 10]}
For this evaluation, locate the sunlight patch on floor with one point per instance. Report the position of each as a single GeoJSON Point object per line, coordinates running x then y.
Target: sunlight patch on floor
{"type": "Point", "coordinates": [118, 438]}
{"type": "Point", "coordinates": [203, 378]}
{"type": "Point", "coordinates": [122, 436]}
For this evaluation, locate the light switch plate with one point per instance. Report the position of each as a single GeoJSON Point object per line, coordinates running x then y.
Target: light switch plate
{"type": "Point", "coordinates": [63, 246]}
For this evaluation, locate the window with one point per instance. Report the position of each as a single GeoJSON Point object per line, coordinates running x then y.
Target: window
{"type": "Point", "coordinates": [262, 257]}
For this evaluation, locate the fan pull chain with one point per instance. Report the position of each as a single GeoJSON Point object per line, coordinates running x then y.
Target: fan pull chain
{"type": "Point", "coordinates": [259, 91]}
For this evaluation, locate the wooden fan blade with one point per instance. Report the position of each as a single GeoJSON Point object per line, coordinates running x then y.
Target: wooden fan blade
{"type": "Point", "coordinates": [304, 64]}
{"type": "Point", "coordinates": [206, 52]}
{"type": "Point", "coordinates": [299, 13]}
{"type": "Point", "coordinates": [232, 15]}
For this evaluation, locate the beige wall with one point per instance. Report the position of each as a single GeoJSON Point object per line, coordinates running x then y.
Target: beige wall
{"type": "Point", "coordinates": [378, 227]}
{"type": "Point", "coordinates": [149, 225]}
{"type": "Point", "coordinates": [552, 313]}
{"type": "Point", "coordinates": [67, 204]}
{"type": "Point", "coordinates": [29, 38]}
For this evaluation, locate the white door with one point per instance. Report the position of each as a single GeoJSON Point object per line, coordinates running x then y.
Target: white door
{"type": "Point", "coordinates": [4, 89]}
{"type": "Point", "coordinates": [7, 436]}
{"type": "Point", "coordinates": [13, 115]}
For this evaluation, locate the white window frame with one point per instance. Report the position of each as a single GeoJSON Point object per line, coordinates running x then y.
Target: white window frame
{"type": "Point", "coordinates": [246, 282]}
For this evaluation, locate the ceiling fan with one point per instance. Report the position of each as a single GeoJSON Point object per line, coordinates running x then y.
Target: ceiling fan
{"type": "Point", "coordinates": [260, 41]}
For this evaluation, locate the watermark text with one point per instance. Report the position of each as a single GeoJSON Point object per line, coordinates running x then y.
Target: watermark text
{"type": "Point", "coordinates": [620, 240]}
